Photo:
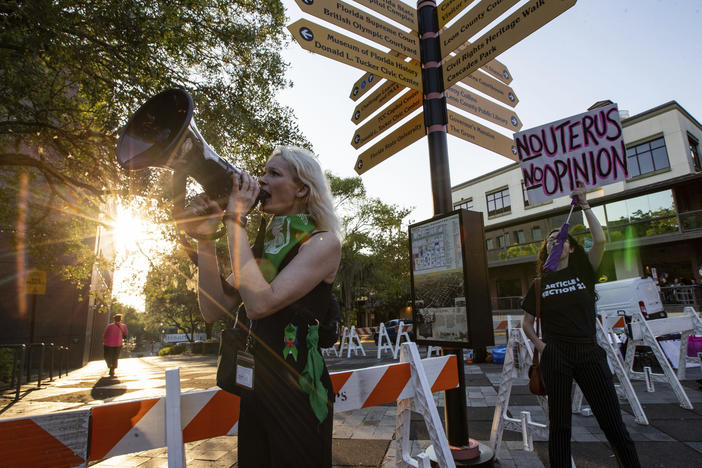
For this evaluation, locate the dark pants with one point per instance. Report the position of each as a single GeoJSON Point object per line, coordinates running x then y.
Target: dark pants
{"type": "Point", "coordinates": [587, 364]}
{"type": "Point", "coordinates": [112, 356]}
{"type": "Point", "coordinates": [283, 432]}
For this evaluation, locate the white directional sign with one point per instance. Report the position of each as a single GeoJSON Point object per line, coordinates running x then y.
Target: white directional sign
{"type": "Point", "coordinates": [398, 110]}
{"type": "Point", "coordinates": [405, 135]}
{"type": "Point", "coordinates": [331, 44]}
{"type": "Point", "coordinates": [461, 98]}
{"type": "Point", "coordinates": [527, 19]}
{"type": "Point", "coordinates": [359, 22]}
{"type": "Point", "coordinates": [473, 132]}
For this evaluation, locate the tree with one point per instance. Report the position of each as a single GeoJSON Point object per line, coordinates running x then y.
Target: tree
{"type": "Point", "coordinates": [72, 72]}
{"type": "Point", "coordinates": [374, 250]}
{"type": "Point", "coordinates": [171, 294]}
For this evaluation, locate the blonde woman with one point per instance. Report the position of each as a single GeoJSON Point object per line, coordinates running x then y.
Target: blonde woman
{"type": "Point", "coordinates": [286, 417]}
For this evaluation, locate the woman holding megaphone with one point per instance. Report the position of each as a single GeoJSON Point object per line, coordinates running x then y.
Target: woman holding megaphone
{"type": "Point", "coordinates": [286, 409]}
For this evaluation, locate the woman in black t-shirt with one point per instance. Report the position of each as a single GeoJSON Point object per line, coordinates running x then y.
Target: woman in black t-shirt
{"type": "Point", "coordinates": [569, 347]}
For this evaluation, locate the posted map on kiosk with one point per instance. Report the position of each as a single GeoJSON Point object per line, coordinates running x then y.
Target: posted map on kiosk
{"type": "Point", "coordinates": [437, 279]}
{"type": "Point", "coordinates": [587, 147]}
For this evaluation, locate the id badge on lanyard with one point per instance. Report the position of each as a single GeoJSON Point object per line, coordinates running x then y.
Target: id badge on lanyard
{"type": "Point", "coordinates": [245, 364]}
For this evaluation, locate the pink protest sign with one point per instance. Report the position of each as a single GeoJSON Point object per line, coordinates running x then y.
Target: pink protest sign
{"type": "Point", "coordinates": [588, 147]}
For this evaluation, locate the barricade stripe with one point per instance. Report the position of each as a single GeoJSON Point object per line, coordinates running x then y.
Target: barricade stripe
{"type": "Point", "coordinates": [216, 418]}
{"type": "Point", "coordinates": [24, 443]}
{"type": "Point", "coordinates": [389, 386]}
{"type": "Point", "coordinates": [339, 379]}
{"type": "Point", "coordinates": [112, 422]}
{"type": "Point", "coordinates": [448, 377]}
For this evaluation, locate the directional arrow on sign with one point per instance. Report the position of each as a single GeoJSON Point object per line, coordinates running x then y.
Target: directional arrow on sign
{"type": "Point", "coordinates": [405, 135]}
{"type": "Point", "coordinates": [463, 99]}
{"type": "Point", "coordinates": [448, 9]}
{"type": "Point", "coordinates": [484, 83]}
{"type": "Point", "coordinates": [473, 132]}
{"type": "Point", "coordinates": [359, 22]}
{"type": "Point", "coordinates": [471, 23]}
{"type": "Point", "coordinates": [323, 41]}
{"type": "Point", "coordinates": [401, 108]}
{"type": "Point", "coordinates": [396, 10]}
{"type": "Point", "coordinates": [375, 101]}
{"type": "Point", "coordinates": [527, 19]}
{"type": "Point", "coordinates": [363, 85]}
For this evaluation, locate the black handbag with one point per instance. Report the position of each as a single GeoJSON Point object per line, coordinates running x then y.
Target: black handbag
{"type": "Point", "coordinates": [536, 379]}
{"type": "Point", "coordinates": [232, 341]}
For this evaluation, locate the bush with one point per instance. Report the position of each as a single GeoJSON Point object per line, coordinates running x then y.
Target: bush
{"type": "Point", "coordinates": [205, 347]}
{"type": "Point", "coordinates": [171, 350]}
{"type": "Point", "coordinates": [7, 356]}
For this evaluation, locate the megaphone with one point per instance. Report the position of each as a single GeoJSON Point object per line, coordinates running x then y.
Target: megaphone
{"type": "Point", "coordinates": [162, 133]}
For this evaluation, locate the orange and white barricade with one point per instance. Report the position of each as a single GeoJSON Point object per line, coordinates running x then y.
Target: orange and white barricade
{"type": "Point", "coordinates": [366, 330]}
{"type": "Point", "coordinates": [384, 343]}
{"type": "Point", "coordinates": [351, 341]}
{"type": "Point", "coordinates": [74, 438]}
{"type": "Point", "coordinates": [402, 332]}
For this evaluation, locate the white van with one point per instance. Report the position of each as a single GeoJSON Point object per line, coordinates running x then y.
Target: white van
{"type": "Point", "coordinates": [623, 297]}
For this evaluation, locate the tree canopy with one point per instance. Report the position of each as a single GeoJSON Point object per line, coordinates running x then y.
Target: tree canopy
{"type": "Point", "coordinates": [72, 72]}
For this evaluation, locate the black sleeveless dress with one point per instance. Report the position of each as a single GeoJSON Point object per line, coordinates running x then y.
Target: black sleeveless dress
{"type": "Point", "coordinates": [276, 425]}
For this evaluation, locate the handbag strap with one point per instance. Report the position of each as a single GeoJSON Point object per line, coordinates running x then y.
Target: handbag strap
{"type": "Point", "coordinates": [537, 292]}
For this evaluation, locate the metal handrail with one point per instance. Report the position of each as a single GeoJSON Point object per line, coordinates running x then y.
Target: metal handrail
{"type": "Point", "coordinates": [22, 363]}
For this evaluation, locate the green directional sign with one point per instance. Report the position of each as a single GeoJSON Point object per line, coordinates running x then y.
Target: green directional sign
{"type": "Point", "coordinates": [405, 135]}
{"type": "Point", "coordinates": [336, 46]}
{"type": "Point", "coordinates": [484, 83]}
{"type": "Point", "coordinates": [398, 110]}
{"type": "Point", "coordinates": [396, 10]}
{"type": "Point", "coordinates": [448, 9]}
{"type": "Point", "coordinates": [375, 101]}
{"type": "Point", "coordinates": [473, 132]}
{"type": "Point", "coordinates": [524, 21]}
{"type": "Point", "coordinates": [359, 22]}
{"type": "Point", "coordinates": [463, 99]}
{"type": "Point", "coordinates": [472, 22]}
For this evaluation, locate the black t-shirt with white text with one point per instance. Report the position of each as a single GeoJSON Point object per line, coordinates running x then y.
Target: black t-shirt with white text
{"type": "Point", "coordinates": [567, 307]}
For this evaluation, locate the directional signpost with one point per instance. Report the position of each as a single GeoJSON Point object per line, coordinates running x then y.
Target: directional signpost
{"type": "Point", "coordinates": [434, 49]}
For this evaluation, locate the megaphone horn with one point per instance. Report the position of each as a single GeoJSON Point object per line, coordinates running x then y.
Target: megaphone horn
{"type": "Point", "coordinates": [162, 133]}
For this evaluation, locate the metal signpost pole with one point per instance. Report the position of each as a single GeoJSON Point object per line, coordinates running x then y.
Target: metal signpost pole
{"type": "Point", "coordinates": [435, 121]}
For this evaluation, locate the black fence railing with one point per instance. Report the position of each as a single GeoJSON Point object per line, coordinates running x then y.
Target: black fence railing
{"type": "Point", "coordinates": [679, 297]}
{"type": "Point", "coordinates": [30, 361]}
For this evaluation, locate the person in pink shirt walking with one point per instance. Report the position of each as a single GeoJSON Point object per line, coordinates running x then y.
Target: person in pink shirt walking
{"type": "Point", "coordinates": [115, 334]}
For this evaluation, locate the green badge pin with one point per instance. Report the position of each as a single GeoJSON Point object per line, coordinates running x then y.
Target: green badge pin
{"type": "Point", "coordinates": [289, 337]}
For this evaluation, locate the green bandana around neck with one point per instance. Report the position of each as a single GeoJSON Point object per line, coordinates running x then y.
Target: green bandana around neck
{"type": "Point", "coordinates": [282, 234]}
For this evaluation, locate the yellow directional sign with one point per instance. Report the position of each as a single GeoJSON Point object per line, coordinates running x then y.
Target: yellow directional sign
{"type": "Point", "coordinates": [473, 132]}
{"type": "Point", "coordinates": [499, 71]}
{"type": "Point", "coordinates": [463, 99]}
{"type": "Point", "coordinates": [396, 10]}
{"type": "Point", "coordinates": [405, 135]}
{"type": "Point", "coordinates": [323, 41]}
{"type": "Point", "coordinates": [375, 101]}
{"type": "Point", "coordinates": [524, 21]}
{"type": "Point", "coordinates": [401, 108]}
{"type": "Point", "coordinates": [484, 83]}
{"type": "Point", "coordinates": [471, 23]}
{"type": "Point", "coordinates": [36, 282]}
{"type": "Point", "coordinates": [365, 25]}
{"type": "Point", "coordinates": [363, 85]}
{"type": "Point", "coordinates": [448, 9]}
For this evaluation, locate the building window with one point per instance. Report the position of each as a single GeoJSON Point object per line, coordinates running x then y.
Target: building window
{"type": "Point", "coordinates": [503, 240]}
{"type": "Point", "coordinates": [647, 157]}
{"type": "Point", "coordinates": [465, 204]}
{"type": "Point", "coordinates": [490, 244]}
{"type": "Point", "coordinates": [536, 233]}
{"type": "Point", "coordinates": [525, 197]}
{"type": "Point", "coordinates": [694, 152]}
{"type": "Point", "coordinates": [498, 202]}
{"type": "Point", "coordinates": [519, 237]}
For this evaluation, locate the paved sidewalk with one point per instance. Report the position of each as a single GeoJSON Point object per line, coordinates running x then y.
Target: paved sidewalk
{"type": "Point", "coordinates": [366, 437]}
